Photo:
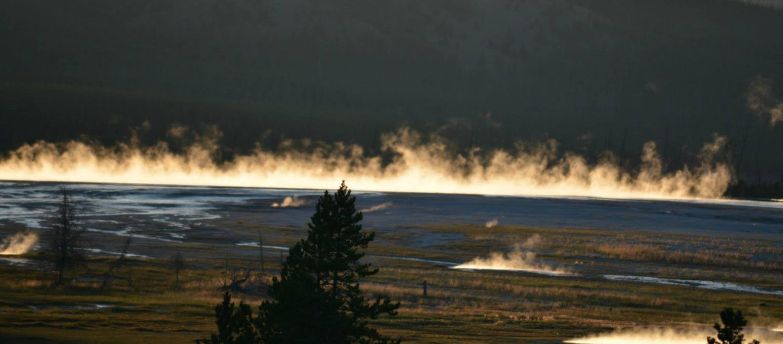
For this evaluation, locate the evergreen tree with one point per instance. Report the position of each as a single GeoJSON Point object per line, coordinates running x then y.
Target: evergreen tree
{"type": "Point", "coordinates": [235, 324]}
{"type": "Point", "coordinates": [317, 298]}
{"type": "Point", "coordinates": [731, 330]}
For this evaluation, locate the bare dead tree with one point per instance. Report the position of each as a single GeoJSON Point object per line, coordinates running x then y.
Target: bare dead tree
{"type": "Point", "coordinates": [225, 273]}
{"type": "Point", "coordinates": [66, 238]}
{"type": "Point", "coordinates": [178, 263]}
{"type": "Point", "coordinates": [234, 277]}
{"type": "Point", "coordinates": [117, 265]}
{"type": "Point", "coordinates": [238, 277]}
{"type": "Point", "coordinates": [261, 251]}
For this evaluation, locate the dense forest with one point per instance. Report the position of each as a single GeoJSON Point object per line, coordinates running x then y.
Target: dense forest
{"type": "Point", "coordinates": [594, 74]}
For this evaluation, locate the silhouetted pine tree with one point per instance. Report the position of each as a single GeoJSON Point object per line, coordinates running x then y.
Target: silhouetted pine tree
{"type": "Point", "coordinates": [317, 298]}
{"type": "Point", "coordinates": [731, 330]}
{"type": "Point", "coordinates": [235, 324]}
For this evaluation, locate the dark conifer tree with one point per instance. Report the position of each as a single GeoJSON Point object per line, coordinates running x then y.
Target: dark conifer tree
{"type": "Point", "coordinates": [235, 324]}
{"type": "Point", "coordinates": [317, 298]}
{"type": "Point", "coordinates": [731, 330]}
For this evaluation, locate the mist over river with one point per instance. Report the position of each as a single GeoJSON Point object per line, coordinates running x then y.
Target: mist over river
{"type": "Point", "coordinates": [168, 213]}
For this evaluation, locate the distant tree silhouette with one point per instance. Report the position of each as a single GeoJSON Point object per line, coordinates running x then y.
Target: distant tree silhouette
{"type": "Point", "coordinates": [317, 298]}
{"type": "Point", "coordinates": [117, 265]}
{"type": "Point", "coordinates": [66, 238]}
{"type": "Point", "coordinates": [261, 252]}
{"type": "Point", "coordinates": [731, 330]}
{"type": "Point", "coordinates": [177, 263]}
{"type": "Point", "coordinates": [235, 277]}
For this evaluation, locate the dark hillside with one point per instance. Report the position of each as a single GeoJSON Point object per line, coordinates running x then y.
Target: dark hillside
{"type": "Point", "coordinates": [595, 74]}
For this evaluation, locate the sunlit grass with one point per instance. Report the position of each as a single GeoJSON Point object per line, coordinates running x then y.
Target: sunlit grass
{"type": "Point", "coordinates": [463, 306]}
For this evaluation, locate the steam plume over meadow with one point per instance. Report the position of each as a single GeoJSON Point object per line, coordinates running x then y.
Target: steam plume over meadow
{"type": "Point", "coordinates": [491, 223]}
{"type": "Point", "coordinates": [669, 336]}
{"type": "Point", "coordinates": [762, 100]}
{"type": "Point", "coordinates": [522, 258]}
{"type": "Point", "coordinates": [290, 202]}
{"type": "Point", "coordinates": [378, 207]}
{"type": "Point", "coordinates": [417, 165]}
{"type": "Point", "coordinates": [18, 244]}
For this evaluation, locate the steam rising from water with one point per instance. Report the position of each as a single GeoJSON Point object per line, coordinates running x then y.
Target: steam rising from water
{"type": "Point", "coordinates": [773, 4]}
{"type": "Point", "coordinates": [667, 336]}
{"type": "Point", "coordinates": [290, 202]}
{"type": "Point", "coordinates": [761, 99]}
{"type": "Point", "coordinates": [18, 244]}
{"type": "Point", "coordinates": [418, 165]}
{"type": "Point", "coordinates": [520, 259]}
{"type": "Point", "coordinates": [377, 207]}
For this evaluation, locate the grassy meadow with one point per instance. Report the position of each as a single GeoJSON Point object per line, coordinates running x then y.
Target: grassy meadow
{"type": "Point", "coordinates": [465, 306]}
